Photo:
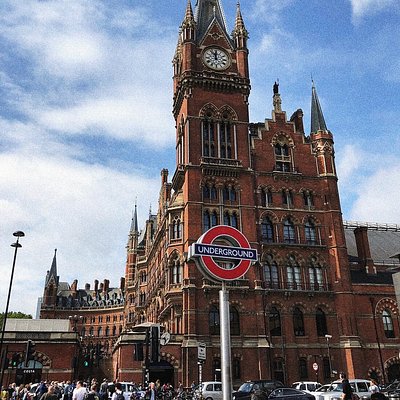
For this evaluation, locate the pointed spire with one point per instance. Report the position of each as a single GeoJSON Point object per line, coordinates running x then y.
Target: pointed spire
{"type": "Point", "coordinates": [240, 34]}
{"type": "Point", "coordinates": [189, 12]}
{"type": "Point", "coordinates": [206, 12]}
{"type": "Point", "coordinates": [134, 224]}
{"type": "Point", "coordinates": [317, 117]}
{"type": "Point", "coordinates": [53, 269]}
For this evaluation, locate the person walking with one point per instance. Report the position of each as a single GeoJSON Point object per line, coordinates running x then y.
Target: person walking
{"type": "Point", "coordinates": [79, 392]}
{"type": "Point", "coordinates": [50, 394]}
{"type": "Point", "coordinates": [346, 388]}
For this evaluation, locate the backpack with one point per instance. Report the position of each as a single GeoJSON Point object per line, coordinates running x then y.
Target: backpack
{"type": "Point", "coordinates": [120, 396]}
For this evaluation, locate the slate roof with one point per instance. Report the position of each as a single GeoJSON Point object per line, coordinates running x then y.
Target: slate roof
{"type": "Point", "coordinates": [384, 242]}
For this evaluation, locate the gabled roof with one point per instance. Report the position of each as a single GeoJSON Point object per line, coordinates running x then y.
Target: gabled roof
{"type": "Point", "coordinates": [206, 12]}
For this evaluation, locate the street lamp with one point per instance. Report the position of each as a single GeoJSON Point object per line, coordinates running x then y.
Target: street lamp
{"type": "Point", "coordinates": [16, 245]}
{"type": "Point", "coordinates": [327, 337]}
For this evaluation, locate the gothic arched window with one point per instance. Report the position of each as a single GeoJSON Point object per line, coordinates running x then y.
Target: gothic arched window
{"type": "Point", "coordinates": [213, 320]}
{"type": "Point", "coordinates": [176, 228]}
{"type": "Point", "coordinates": [315, 275]}
{"type": "Point", "coordinates": [289, 233]}
{"type": "Point", "coordinates": [266, 197]}
{"type": "Point", "coordinates": [225, 139]}
{"type": "Point", "coordinates": [320, 320]}
{"type": "Point", "coordinates": [310, 232]}
{"type": "Point", "coordinates": [275, 327]}
{"type": "Point", "coordinates": [387, 324]}
{"type": "Point", "coordinates": [210, 219]}
{"type": "Point", "coordinates": [298, 322]}
{"type": "Point", "coordinates": [271, 273]}
{"type": "Point", "coordinates": [267, 230]}
{"type": "Point", "coordinates": [208, 129]}
{"type": "Point", "coordinates": [293, 273]}
{"type": "Point", "coordinates": [282, 158]}
{"type": "Point", "coordinates": [176, 272]}
{"type": "Point", "coordinates": [234, 321]}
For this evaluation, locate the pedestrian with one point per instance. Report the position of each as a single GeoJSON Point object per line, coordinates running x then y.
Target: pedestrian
{"type": "Point", "coordinates": [118, 394]}
{"type": "Point", "coordinates": [79, 392]}
{"type": "Point", "coordinates": [92, 395]}
{"type": "Point", "coordinates": [104, 390]}
{"type": "Point", "coordinates": [50, 394]}
{"type": "Point", "coordinates": [373, 387]}
{"type": "Point", "coordinates": [151, 393]}
{"type": "Point", "coordinates": [346, 388]}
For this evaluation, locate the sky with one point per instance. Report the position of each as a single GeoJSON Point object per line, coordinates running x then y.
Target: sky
{"type": "Point", "coordinates": [86, 117]}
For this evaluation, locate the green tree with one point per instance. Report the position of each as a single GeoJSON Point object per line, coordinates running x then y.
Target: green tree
{"type": "Point", "coordinates": [14, 314]}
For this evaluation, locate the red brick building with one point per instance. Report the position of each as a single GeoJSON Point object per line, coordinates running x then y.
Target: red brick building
{"type": "Point", "coordinates": [322, 291]}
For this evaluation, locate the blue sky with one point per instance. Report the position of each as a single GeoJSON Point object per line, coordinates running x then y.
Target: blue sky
{"type": "Point", "coordinates": [86, 123]}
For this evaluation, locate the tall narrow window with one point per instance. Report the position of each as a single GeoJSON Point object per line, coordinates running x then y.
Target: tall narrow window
{"type": "Point", "coordinates": [234, 321]}
{"type": "Point", "coordinates": [293, 274]}
{"type": "Point", "coordinates": [176, 228]}
{"type": "Point", "coordinates": [208, 138]}
{"type": "Point", "coordinates": [213, 320]}
{"type": "Point", "coordinates": [387, 324]}
{"type": "Point", "coordinates": [231, 219]}
{"type": "Point", "coordinates": [282, 158]}
{"type": "Point", "coordinates": [320, 320]}
{"type": "Point", "coordinates": [298, 322]}
{"type": "Point", "coordinates": [310, 232]}
{"type": "Point", "coordinates": [210, 219]}
{"type": "Point", "coordinates": [275, 327]}
{"type": "Point", "coordinates": [225, 140]}
{"type": "Point", "coordinates": [315, 275]}
{"type": "Point", "coordinates": [229, 193]}
{"type": "Point", "coordinates": [267, 230]}
{"type": "Point", "coordinates": [308, 199]}
{"type": "Point", "coordinates": [303, 371]}
{"type": "Point", "coordinates": [271, 273]}
{"type": "Point", "coordinates": [176, 272]}
{"type": "Point", "coordinates": [289, 235]}
{"type": "Point", "coordinates": [266, 197]}
{"type": "Point", "coordinates": [279, 369]}
{"type": "Point", "coordinates": [236, 369]}
{"type": "Point", "coordinates": [287, 198]}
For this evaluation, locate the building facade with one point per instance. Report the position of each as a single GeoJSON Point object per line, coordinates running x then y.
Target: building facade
{"type": "Point", "coordinates": [321, 293]}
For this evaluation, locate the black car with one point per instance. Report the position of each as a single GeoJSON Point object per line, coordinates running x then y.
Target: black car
{"type": "Point", "coordinates": [290, 394]}
{"type": "Point", "coordinates": [248, 388]}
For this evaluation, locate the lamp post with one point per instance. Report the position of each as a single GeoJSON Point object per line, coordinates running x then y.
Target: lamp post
{"type": "Point", "coordinates": [327, 337]}
{"type": "Point", "coordinates": [16, 246]}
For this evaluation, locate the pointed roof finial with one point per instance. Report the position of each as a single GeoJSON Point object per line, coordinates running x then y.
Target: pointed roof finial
{"type": "Point", "coordinates": [189, 17]}
{"type": "Point", "coordinates": [134, 224]}
{"type": "Point", "coordinates": [277, 97]}
{"type": "Point", "coordinates": [317, 117]}
{"type": "Point", "coordinates": [239, 29]}
{"type": "Point", "coordinates": [53, 268]}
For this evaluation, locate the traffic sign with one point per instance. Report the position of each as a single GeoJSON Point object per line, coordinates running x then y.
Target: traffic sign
{"type": "Point", "coordinates": [208, 253]}
{"type": "Point", "coordinates": [201, 351]}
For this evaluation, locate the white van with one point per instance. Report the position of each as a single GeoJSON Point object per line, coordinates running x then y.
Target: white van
{"type": "Point", "coordinates": [360, 387]}
{"type": "Point", "coordinates": [209, 391]}
{"type": "Point", "coordinates": [306, 386]}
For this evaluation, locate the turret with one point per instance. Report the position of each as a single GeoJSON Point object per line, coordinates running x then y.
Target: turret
{"type": "Point", "coordinates": [321, 137]}
{"type": "Point", "coordinates": [51, 284]}
{"type": "Point", "coordinates": [240, 36]}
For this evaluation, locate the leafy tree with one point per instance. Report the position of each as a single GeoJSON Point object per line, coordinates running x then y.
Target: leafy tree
{"type": "Point", "coordinates": [14, 314]}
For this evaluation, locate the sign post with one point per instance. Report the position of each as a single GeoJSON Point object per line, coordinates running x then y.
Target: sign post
{"type": "Point", "coordinates": [223, 263]}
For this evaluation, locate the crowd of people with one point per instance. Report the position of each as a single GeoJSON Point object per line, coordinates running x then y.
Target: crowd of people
{"type": "Point", "coordinates": [91, 390]}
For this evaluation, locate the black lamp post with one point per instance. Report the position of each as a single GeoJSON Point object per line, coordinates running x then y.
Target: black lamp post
{"type": "Point", "coordinates": [327, 337]}
{"type": "Point", "coordinates": [16, 245]}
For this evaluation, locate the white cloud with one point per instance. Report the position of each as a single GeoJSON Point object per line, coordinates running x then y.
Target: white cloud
{"type": "Point", "coordinates": [362, 8]}
{"type": "Point", "coordinates": [378, 197]}
{"type": "Point", "coordinates": [82, 210]}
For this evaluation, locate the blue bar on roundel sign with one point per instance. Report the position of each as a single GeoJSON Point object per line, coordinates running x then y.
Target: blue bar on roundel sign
{"type": "Point", "coordinates": [235, 253]}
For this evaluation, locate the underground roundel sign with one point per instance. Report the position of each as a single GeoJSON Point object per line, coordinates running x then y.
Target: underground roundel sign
{"type": "Point", "coordinates": [223, 253]}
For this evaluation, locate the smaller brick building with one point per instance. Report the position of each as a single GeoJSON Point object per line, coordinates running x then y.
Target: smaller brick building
{"type": "Point", "coordinates": [56, 353]}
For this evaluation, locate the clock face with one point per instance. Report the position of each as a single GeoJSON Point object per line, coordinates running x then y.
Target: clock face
{"type": "Point", "coordinates": [216, 59]}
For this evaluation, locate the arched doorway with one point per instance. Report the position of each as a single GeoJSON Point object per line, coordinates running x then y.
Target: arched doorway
{"type": "Point", "coordinates": [393, 372]}
{"type": "Point", "coordinates": [162, 371]}
{"type": "Point", "coordinates": [31, 373]}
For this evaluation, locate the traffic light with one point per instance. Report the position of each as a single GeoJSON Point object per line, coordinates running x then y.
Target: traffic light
{"type": "Point", "coordinates": [155, 344]}
{"type": "Point", "coordinates": [30, 350]}
{"type": "Point", "coordinates": [15, 360]}
{"type": "Point", "coordinates": [6, 363]}
{"type": "Point", "coordinates": [86, 360]}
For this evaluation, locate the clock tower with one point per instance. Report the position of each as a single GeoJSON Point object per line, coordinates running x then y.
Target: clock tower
{"type": "Point", "coordinates": [210, 107]}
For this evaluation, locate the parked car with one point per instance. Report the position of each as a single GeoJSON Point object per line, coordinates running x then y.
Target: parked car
{"type": "Point", "coordinates": [320, 390]}
{"type": "Point", "coordinates": [360, 388]}
{"type": "Point", "coordinates": [306, 386]}
{"type": "Point", "coordinates": [392, 388]}
{"type": "Point", "coordinates": [290, 394]}
{"type": "Point", "coordinates": [246, 389]}
{"type": "Point", "coordinates": [209, 391]}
